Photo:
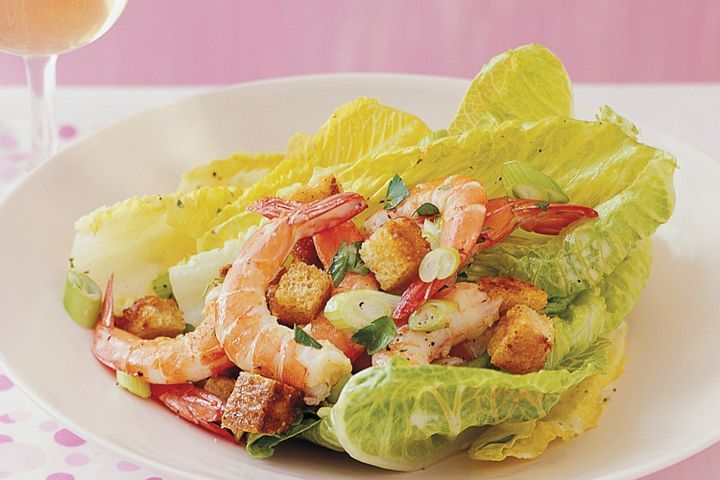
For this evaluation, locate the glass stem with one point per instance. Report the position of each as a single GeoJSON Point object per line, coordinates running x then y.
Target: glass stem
{"type": "Point", "coordinates": [40, 71]}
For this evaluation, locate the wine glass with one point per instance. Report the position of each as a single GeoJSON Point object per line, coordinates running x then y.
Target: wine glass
{"type": "Point", "coordinates": [40, 30]}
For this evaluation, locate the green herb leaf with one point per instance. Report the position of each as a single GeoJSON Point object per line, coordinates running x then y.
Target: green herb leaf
{"type": "Point", "coordinates": [427, 210]}
{"type": "Point", "coordinates": [346, 259]}
{"type": "Point", "coordinates": [304, 338]}
{"type": "Point", "coordinates": [543, 206]}
{"type": "Point", "coordinates": [377, 335]}
{"type": "Point", "coordinates": [162, 287]}
{"type": "Point", "coordinates": [189, 327]}
{"type": "Point", "coordinates": [397, 192]}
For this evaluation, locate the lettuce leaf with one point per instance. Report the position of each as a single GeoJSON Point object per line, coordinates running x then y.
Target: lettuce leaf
{"type": "Point", "coordinates": [263, 445]}
{"type": "Point", "coordinates": [139, 238]}
{"type": "Point", "coordinates": [241, 169]}
{"type": "Point", "coordinates": [526, 83]}
{"type": "Point", "coordinates": [403, 417]}
{"type": "Point", "coordinates": [578, 410]}
{"type": "Point", "coordinates": [354, 131]}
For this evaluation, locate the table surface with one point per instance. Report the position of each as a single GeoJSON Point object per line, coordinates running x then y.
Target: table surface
{"type": "Point", "coordinates": [35, 445]}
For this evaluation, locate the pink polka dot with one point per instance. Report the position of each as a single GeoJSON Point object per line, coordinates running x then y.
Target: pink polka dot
{"type": "Point", "coordinates": [49, 426]}
{"type": "Point", "coordinates": [8, 142]}
{"type": "Point", "coordinates": [6, 419]}
{"type": "Point", "coordinates": [67, 131]}
{"type": "Point", "coordinates": [5, 383]}
{"type": "Point", "coordinates": [125, 466]}
{"type": "Point", "coordinates": [5, 439]}
{"type": "Point", "coordinates": [77, 459]}
{"type": "Point", "coordinates": [60, 476]}
{"type": "Point", "coordinates": [68, 439]}
{"type": "Point", "coordinates": [153, 478]}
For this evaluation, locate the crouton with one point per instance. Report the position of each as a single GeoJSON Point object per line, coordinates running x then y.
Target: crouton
{"type": "Point", "coordinates": [261, 405]}
{"type": "Point", "coordinates": [521, 340]}
{"type": "Point", "coordinates": [394, 252]}
{"type": "Point", "coordinates": [318, 189]}
{"type": "Point", "coordinates": [300, 294]}
{"type": "Point", "coordinates": [219, 386]}
{"type": "Point", "coordinates": [513, 291]}
{"type": "Point", "coordinates": [151, 317]}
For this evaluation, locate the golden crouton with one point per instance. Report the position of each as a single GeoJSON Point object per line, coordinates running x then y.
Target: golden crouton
{"type": "Point", "coordinates": [151, 317]}
{"type": "Point", "coordinates": [394, 252]}
{"type": "Point", "coordinates": [219, 386]}
{"type": "Point", "coordinates": [318, 189]}
{"type": "Point", "coordinates": [300, 294]}
{"type": "Point", "coordinates": [261, 405]}
{"type": "Point", "coordinates": [521, 340]}
{"type": "Point", "coordinates": [513, 291]}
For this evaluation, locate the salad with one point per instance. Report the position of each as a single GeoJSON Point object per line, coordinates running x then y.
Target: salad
{"type": "Point", "coordinates": [385, 290]}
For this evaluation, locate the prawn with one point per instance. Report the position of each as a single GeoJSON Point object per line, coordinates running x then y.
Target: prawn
{"type": "Point", "coordinates": [190, 357]}
{"type": "Point", "coordinates": [461, 202]}
{"type": "Point", "coordinates": [504, 215]}
{"type": "Point", "coordinates": [476, 312]}
{"type": "Point", "coordinates": [249, 333]}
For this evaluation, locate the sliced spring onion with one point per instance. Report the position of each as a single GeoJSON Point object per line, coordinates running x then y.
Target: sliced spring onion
{"type": "Point", "coordinates": [431, 232]}
{"type": "Point", "coordinates": [523, 181]}
{"type": "Point", "coordinates": [432, 315]}
{"type": "Point", "coordinates": [162, 287]}
{"type": "Point", "coordinates": [135, 385]}
{"type": "Point", "coordinates": [377, 335]}
{"type": "Point", "coordinates": [440, 264]}
{"type": "Point", "coordinates": [82, 298]}
{"type": "Point", "coordinates": [351, 311]}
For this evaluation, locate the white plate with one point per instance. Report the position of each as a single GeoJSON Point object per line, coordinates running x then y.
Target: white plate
{"type": "Point", "coordinates": [666, 407]}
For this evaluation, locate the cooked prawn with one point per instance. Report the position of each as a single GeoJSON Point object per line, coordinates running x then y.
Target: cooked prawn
{"type": "Point", "coordinates": [475, 314]}
{"type": "Point", "coordinates": [186, 358]}
{"type": "Point", "coordinates": [246, 329]}
{"type": "Point", "coordinates": [461, 202]}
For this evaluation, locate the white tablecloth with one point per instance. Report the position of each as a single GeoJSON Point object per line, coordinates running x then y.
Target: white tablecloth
{"type": "Point", "coordinates": [33, 445]}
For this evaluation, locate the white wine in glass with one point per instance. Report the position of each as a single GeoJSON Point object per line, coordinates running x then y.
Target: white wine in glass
{"type": "Point", "coordinates": [39, 30]}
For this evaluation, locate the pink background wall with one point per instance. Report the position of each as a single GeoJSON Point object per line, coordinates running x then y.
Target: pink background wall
{"type": "Point", "coordinates": [228, 41]}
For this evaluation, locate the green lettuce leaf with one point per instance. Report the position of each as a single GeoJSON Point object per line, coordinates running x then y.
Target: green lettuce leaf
{"type": "Point", "coordinates": [526, 83]}
{"type": "Point", "coordinates": [578, 410]}
{"type": "Point", "coordinates": [354, 131]}
{"type": "Point", "coordinates": [139, 238]}
{"type": "Point", "coordinates": [240, 169]}
{"type": "Point", "coordinates": [404, 417]}
{"type": "Point", "coordinates": [599, 310]}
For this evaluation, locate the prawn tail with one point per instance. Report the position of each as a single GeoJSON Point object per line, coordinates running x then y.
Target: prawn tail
{"type": "Point", "coordinates": [106, 313]}
{"type": "Point", "coordinates": [194, 404]}
{"type": "Point", "coordinates": [327, 213]}
{"type": "Point", "coordinates": [274, 207]}
{"type": "Point", "coordinates": [416, 294]}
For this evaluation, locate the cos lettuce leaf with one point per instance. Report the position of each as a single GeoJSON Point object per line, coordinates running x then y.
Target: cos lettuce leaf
{"type": "Point", "coordinates": [354, 131]}
{"type": "Point", "coordinates": [578, 410]}
{"type": "Point", "coordinates": [404, 417]}
{"type": "Point", "coordinates": [139, 238]}
{"type": "Point", "coordinates": [527, 83]}
{"type": "Point", "coordinates": [240, 169]}
{"type": "Point", "coordinates": [262, 445]}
